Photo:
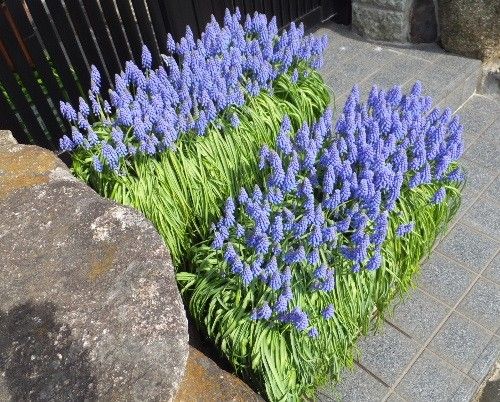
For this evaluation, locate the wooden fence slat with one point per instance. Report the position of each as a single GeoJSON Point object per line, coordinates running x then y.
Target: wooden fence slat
{"type": "Point", "coordinates": [158, 25]}
{"type": "Point", "coordinates": [53, 48]}
{"type": "Point", "coordinates": [116, 28]}
{"type": "Point", "coordinates": [268, 8]}
{"type": "Point", "coordinates": [40, 61]}
{"type": "Point", "coordinates": [62, 22]}
{"type": "Point", "coordinates": [203, 11]}
{"type": "Point", "coordinates": [178, 15]}
{"type": "Point", "coordinates": [28, 79]}
{"type": "Point", "coordinates": [276, 11]}
{"type": "Point", "coordinates": [218, 9]}
{"type": "Point", "coordinates": [104, 42]}
{"type": "Point", "coordinates": [249, 7]}
{"type": "Point", "coordinates": [9, 122]}
{"type": "Point", "coordinates": [285, 12]}
{"type": "Point", "coordinates": [131, 28]}
{"type": "Point", "coordinates": [22, 106]}
{"type": "Point", "coordinates": [89, 47]}
{"type": "Point", "coordinates": [146, 28]}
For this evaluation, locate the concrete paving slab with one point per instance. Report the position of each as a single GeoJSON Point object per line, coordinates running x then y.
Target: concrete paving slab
{"type": "Point", "coordinates": [460, 341]}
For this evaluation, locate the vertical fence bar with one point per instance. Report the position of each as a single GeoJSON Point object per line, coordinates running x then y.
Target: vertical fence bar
{"type": "Point", "coordinates": [9, 121]}
{"type": "Point", "coordinates": [40, 60]}
{"type": "Point", "coordinates": [160, 29]}
{"type": "Point", "coordinates": [85, 35]}
{"type": "Point", "coordinates": [57, 61]}
{"type": "Point", "coordinates": [27, 78]}
{"type": "Point", "coordinates": [131, 28]}
{"type": "Point", "coordinates": [103, 40]}
{"type": "Point", "coordinates": [118, 36]}
{"type": "Point", "coordinates": [22, 106]}
{"type": "Point", "coordinates": [67, 36]}
{"type": "Point", "coordinates": [146, 28]}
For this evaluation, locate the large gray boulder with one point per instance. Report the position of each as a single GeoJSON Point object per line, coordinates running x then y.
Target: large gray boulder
{"type": "Point", "coordinates": [470, 27]}
{"type": "Point", "coordinates": [89, 307]}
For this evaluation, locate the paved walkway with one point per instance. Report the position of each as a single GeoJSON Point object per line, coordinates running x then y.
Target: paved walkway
{"type": "Point", "coordinates": [443, 340]}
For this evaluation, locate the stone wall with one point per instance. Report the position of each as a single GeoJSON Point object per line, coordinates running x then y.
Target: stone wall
{"type": "Point", "coordinates": [89, 306]}
{"type": "Point", "coordinates": [395, 20]}
{"type": "Point", "coordinates": [471, 28]}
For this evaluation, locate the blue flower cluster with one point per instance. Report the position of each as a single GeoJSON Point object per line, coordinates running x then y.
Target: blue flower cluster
{"type": "Point", "coordinates": [149, 108]}
{"type": "Point", "coordinates": [328, 197]}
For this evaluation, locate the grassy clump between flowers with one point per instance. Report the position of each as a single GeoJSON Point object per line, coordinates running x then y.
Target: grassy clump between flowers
{"type": "Point", "coordinates": [296, 269]}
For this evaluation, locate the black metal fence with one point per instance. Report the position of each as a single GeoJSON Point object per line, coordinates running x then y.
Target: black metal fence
{"type": "Point", "coordinates": [48, 46]}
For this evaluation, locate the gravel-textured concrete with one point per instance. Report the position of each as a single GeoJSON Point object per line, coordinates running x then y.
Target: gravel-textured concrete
{"type": "Point", "coordinates": [443, 340]}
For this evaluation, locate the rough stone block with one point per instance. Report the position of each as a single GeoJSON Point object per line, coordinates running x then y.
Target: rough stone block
{"type": "Point", "coordinates": [380, 24]}
{"type": "Point", "coordinates": [423, 25]}
{"type": "Point", "coordinates": [398, 5]}
{"type": "Point", "coordinates": [206, 381]}
{"type": "Point", "coordinates": [89, 306]}
{"type": "Point", "coordinates": [470, 27]}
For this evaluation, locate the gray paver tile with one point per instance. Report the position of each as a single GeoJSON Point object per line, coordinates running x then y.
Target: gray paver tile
{"type": "Point", "coordinates": [481, 367]}
{"type": "Point", "coordinates": [493, 270]}
{"type": "Point", "coordinates": [476, 115]}
{"type": "Point", "coordinates": [468, 246]}
{"type": "Point", "coordinates": [429, 379]}
{"type": "Point", "coordinates": [482, 304]}
{"type": "Point", "coordinates": [493, 190]}
{"type": "Point", "coordinates": [478, 179]}
{"type": "Point", "coordinates": [427, 51]}
{"type": "Point", "coordinates": [486, 150]}
{"type": "Point", "coordinates": [444, 278]}
{"type": "Point", "coordinates": [386, 353]}
{"type": "Point", "coordinates": [397, 72]}
{"type": "Point", "coordinates": [419, 315]}
{"type": "Point", "coordinates": [439, 82]}
{"type": "Point", "coordinates": [485, 215]}
{"type": "Point", "coordinates": [348, 73]}
{"type": "Point", "coordinates": [462, 92]}
{"type": "Point", "coordinates": [457, 63]}
{"type": "Point", "coordinates": [354, 386]}
{"type": "Point", "coordinates": [460, 341]}
{"type": "Point", "coordinates": [465, 391]}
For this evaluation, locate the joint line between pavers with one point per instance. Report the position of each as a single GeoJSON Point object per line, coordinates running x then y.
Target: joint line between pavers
{"type": "Point", "coordinates": [372, 374]}
{"type": "Point", "coordinates": [397, 329]}
{"type": "Point", "coordinates": [460, 214]}
{"type": "Point", "coordinates": [478, 229]}
{"type": "Point", "coordinates": [434, 333]}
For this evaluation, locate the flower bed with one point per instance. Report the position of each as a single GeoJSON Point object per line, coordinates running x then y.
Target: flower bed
{"type": "Point", "coordinates": [295, 269]}
{"type": "Point", "coordinates": [322, 225]}
{"type": "Point", "coordinates": [175, 141]}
